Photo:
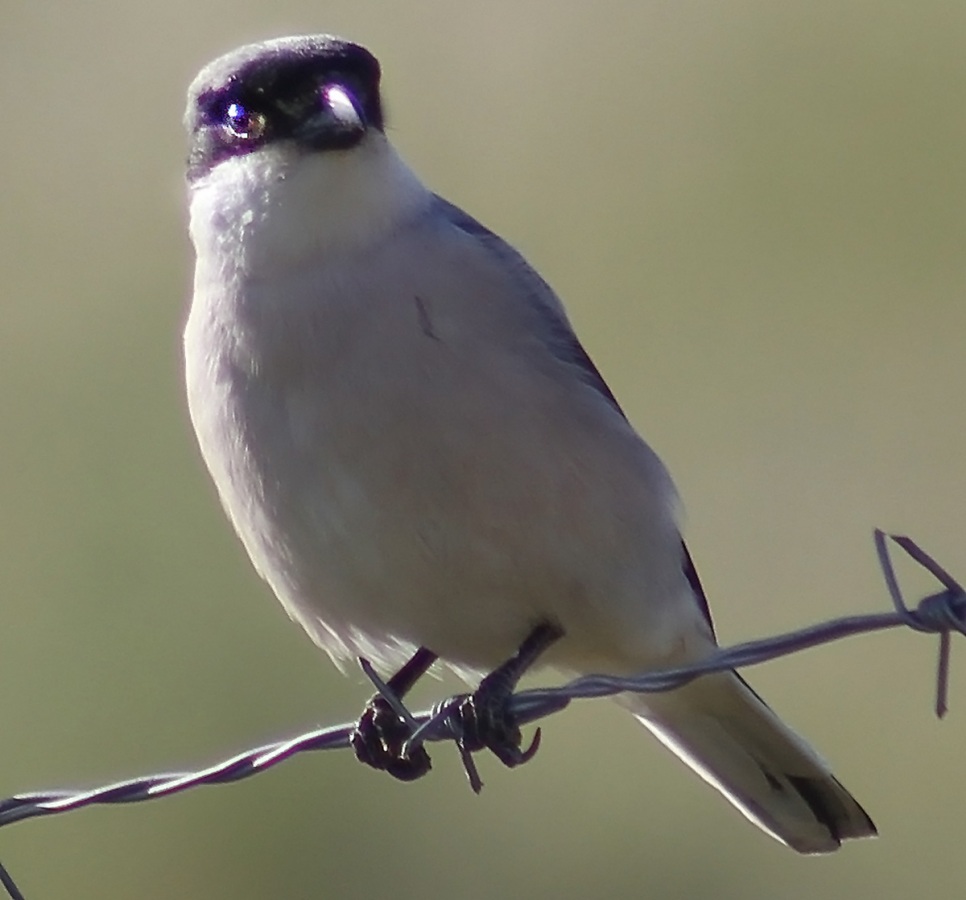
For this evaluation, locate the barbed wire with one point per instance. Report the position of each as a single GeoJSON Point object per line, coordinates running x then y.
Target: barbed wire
{"type": "Point", "coordinates": [940, 613]}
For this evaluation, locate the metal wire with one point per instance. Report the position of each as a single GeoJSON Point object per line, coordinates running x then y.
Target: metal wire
{"type": "Point", "coordinates": [941, 613]}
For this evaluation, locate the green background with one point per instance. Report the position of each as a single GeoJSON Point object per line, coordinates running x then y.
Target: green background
{"type": "Point", "coordinates": [755, 214]}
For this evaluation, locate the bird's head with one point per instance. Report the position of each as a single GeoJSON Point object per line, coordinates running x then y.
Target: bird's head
{"type": "Point", "coordinates": [287, 136]}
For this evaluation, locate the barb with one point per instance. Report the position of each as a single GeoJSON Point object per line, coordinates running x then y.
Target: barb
{"type": "Point", "coordinates": [941, 613]}
{"type": "Point", "coordinates": [8, 883]}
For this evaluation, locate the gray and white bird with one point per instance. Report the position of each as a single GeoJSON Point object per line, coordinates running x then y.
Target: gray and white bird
{"type": "Point", "coordinates": [417, 453]}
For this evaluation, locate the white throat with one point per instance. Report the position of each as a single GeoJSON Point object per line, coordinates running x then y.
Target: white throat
{"type": "Point", "coordinates": [276, 207]}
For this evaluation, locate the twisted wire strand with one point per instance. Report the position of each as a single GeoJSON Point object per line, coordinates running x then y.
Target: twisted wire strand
{"type": "Point", "coordinates": [941, 613]}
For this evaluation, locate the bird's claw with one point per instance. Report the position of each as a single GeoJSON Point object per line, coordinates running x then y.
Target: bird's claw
{"type": "Point", "coordinates": [484, 718]}
{"type": "Point", "coordinates": [485, 722]}
{"type": "Point", "coordinates": [379, 740]}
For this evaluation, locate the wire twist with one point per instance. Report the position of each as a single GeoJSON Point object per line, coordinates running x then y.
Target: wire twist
{"type": "Point", "coordinates": [940, 613]}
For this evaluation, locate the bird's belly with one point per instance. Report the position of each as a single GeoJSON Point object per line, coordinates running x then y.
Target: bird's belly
{"type": "Point", "coordinates": [413, 503]}
{"type": "Point", "coordinates": [381, 552]}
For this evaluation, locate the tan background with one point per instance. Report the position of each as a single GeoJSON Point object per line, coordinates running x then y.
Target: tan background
{"type": "Point", "coordinates": [755, 213]}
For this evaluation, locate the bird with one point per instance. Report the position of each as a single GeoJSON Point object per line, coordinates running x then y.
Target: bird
{"type": "Point", "coordinates": [416, 451]}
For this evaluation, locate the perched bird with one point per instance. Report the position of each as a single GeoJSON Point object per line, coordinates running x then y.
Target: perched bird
{"type": "Point", "coordinates": [417, 453]}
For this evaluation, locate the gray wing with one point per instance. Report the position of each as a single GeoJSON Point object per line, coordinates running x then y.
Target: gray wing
{"type": "Point", "coordinates": [561, 340]}
{"type": "Point", "coordinates": [691, 573]}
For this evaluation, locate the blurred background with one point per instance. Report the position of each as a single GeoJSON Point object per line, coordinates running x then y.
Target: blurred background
{"type": "Point", "coordinates": [756, 214]}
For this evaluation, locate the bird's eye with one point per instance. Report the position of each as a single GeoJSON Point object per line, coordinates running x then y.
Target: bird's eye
{"type": "Point", "coordinates": [244, 123]}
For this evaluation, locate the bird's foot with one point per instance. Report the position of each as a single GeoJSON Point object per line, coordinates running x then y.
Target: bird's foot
{"type": "Point", "coordinates": [379, 739]}
{"type": "Point", "coordinates": [381, 735]}
{"type": "Point", "coordinates": [484, 720]}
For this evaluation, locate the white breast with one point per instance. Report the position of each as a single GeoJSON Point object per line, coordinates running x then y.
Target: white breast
{"type": "Point", "coordinates": [406, 462]}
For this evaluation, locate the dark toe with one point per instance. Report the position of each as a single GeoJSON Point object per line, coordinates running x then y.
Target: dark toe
{"type": "Point", "coordinates": [485, 721]}
{"type": "Point", "coordinates": [378, 741]}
